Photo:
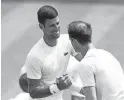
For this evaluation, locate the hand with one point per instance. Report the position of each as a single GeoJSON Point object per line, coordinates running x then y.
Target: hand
{"type": "Point", "coordinates": [63, 82]}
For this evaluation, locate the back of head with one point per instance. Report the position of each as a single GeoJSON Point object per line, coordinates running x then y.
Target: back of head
{"type": "Point", "coordinates": [46, 12]}
{"type": "Point", "coordinates": [81, 31]}
{"type": "Point", "coordinates": [23, 82]}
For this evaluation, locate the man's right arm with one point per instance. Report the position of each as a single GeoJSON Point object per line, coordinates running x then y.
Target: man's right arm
{"type": "Point", "coordinates": [36, 90]}
{"type": "Point", "coordinates": [87, 74]}
{"type": "Point", "coordinates": [75, 95]}
{"type": "Point", "coordinates": [34, 74]}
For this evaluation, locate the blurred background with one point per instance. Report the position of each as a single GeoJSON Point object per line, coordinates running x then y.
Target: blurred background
{"type": "Point", "coordinates": [20, 31]}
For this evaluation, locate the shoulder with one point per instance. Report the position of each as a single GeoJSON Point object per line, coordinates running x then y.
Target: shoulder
{"type": "Point", "coordinates": [36, 47]}
{"type": "Point", "coordinates": [64, 37]}
{"type": "Point", "coordinates": [73, 63]}
{"type": "Point", "coordinates": [101, 52]}
{"type": "Point", "coordinates": [87, 64]}
{"type": "Point", "coordinates": [92, 56]}
{"type": "Point", "coordinates": [32, 59]}
{"type": "Point", "coordinates": [64, 40]}
{"type": "Point", "coordinates": [34, 52]}
{"type": "Point", "coordinates": [31, 56]}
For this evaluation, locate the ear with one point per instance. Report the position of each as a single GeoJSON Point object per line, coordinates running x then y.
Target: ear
{"type": "Point", "coordinates": [41, 26]}
{"type": "Point", "coordinates": [75, 41]}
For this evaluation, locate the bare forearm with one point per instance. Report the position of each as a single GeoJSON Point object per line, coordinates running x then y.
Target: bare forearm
{"type": "Point", "coordinates": [39, 92]}
{"type": "Point", "coordinates": [89, 92]}
{"type": "Point", "coordinates": [76, 98]}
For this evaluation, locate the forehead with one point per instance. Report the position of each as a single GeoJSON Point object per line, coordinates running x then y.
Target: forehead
{"type": "Point", "coordinates": [52, 21]}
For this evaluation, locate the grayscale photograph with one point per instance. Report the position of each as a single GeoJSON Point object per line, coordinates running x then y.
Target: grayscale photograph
{"type": "Point", "coordinates": [62, 49]}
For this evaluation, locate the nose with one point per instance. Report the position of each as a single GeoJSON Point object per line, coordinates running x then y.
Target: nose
{"type": "Point", "coordinates": [57, 26]}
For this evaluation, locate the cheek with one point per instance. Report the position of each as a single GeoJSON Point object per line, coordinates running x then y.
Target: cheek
{"type": "Point", "coordinates": [77, 47]}
{"type": "Point", "coordinates": [48, 30]}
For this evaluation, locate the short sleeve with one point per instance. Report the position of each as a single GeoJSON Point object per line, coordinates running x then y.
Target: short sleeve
{"type": "Point", "coordinates": [76, 78]}
{"type": "Point", "coordinates": [33, 67]}
{"type": "Point", "coordinates": [74, 75]}
{"type": "Point", "coordinates": [87, 74]}
{"type": "Point", "coordinates": [22, 96]}
{"type": "Point", "coordinates": [23, 70]}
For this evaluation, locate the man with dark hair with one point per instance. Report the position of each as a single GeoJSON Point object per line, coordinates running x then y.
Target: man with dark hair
{"type": "Point", "coordinates": [100, 72]}
{"type": "Point", "coordinates": [46, 12]}
{"type": "Point", "coordinates": [48, 59]}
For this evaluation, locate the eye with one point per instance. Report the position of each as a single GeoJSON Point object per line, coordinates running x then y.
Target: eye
{"type": "Point", "coordinates": [52, 25]}
{"type": "Point", "coordinates": [57, 23]}
{"type": "Point", "coordinates": [72, 39]}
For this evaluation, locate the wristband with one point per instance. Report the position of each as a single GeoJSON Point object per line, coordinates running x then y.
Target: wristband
{"type": "Point", "coordinates": [75, 87]}
{"type": "Point", "coordinates": [53, 88]}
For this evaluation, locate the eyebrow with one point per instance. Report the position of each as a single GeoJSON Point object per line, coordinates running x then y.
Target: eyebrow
{"type": "Point", "coordinates": [55, 23]}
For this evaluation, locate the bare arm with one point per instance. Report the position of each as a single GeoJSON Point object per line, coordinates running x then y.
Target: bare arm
{"type": "Point", "coordinates": [89, 92]}
{"type": "Point", "coordinates": [36, 90]}
{"type": "Point", "coordinates": [73, 97]}
{"type": "Point", "coordinates": [34, 74]}
{"type": "Point", "coordinates": [86, 73]}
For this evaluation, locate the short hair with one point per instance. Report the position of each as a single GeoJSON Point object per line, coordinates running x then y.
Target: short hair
{"type": "Point", "coordinates": [46, 12]}
{"type": "Point", "coordinates": [23, 82]}
{"type": "Point", "coordinates": [78, 32]}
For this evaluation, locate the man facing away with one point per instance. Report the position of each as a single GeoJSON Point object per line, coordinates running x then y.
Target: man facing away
{"type": "Point", "coordinates": [100, 72]}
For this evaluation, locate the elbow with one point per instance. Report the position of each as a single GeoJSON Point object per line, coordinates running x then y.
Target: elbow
{"type": "Point", "coordinates": [32, 94]}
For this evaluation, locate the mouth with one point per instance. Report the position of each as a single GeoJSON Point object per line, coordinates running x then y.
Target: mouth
{"type": "Point", "coordinates": [57, 33]}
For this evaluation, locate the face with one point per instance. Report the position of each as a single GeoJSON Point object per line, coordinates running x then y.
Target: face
{"type": "Point", "coordinates": [52, 28]}
{"type": "Point", "coordinates": [76, 45]}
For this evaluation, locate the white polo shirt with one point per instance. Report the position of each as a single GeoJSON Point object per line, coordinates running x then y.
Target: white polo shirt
{"type": "Point", "coordinates": [100, 69]}
{"type": "Point", "coordinates": [74, 75]}
{"type": "Point", "coordinates": [21, 96]}
{"type": "Point", "coordinates": [46, 63]}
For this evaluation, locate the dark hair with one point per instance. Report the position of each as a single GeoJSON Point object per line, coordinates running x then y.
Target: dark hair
{"type": "Point", "coordinates": [46, 12]}
{"type": "Point", "coordinates": [78, 32]}
{"type": "Point", "coordinates": [23, 82]}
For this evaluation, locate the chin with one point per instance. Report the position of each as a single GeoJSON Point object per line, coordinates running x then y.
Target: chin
{"type": "Point", "coordinates": [57, 36]}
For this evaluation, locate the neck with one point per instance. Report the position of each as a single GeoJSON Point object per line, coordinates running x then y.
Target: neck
{"type": "Point", "coordinates": [50, 42]}
{"type": "Point", "coordinates": [90, 46]}
{"type": "Point", "coordinates": [86, 48]}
